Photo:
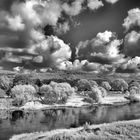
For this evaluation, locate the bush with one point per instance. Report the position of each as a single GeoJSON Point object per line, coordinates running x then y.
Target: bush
{"type": "Point", "coordinates": [50, 96]}
{"type": "Point", "coordinates": [2, 93]}
{"type": "Point", "coordinates": [22, 79]}
{"type": "Point", "coordinates": [56, 92]}
{"type": "Point", "coordinates": [93, 83]}
{"type": "Point", "coordinates": [83, 85]}
{"type": "Point", "coordinates": [119, 85]}
{"type": "Point", "coordinates": [96, 94]}
{"type": "Point", "coordinates": [104, 92]}
{"type": "Point", "coordinates": [134, 90]}
{"type": "Point", "coordinates": [5, 83]}
{"type": "Point", "coordinates": [106, 85]}
{"type": "Point", "coordinates": [23, 93]}
{"type": "Point", "coordinates": [134, 84]}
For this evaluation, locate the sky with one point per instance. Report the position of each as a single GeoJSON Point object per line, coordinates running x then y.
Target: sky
{"type": "Point", "coordinates": [102, 36]}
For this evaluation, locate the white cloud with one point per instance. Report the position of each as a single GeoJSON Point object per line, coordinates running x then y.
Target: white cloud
{"type": "Point", "coordinates": [131, 66]}
{"type": "Point", "coordinates": [74, 9]}
{"type": "Point", "coordinates": [95, 4]}
{"type": "Point", "coordinates": [133, 19]}
{"type": "Point", "coordinates": [132, 44]}
{"type": "Point", "coordinates": [52, 49]}
{"type": "Point", "coordinates": [103, 48]}
{"type": "Point", "coordinates": [112, 1]}
{"type": "Point", "coordinates": [15, 23]}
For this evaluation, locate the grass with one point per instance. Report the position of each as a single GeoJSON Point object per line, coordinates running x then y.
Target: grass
{"type": "Point", "coordinates": [126, 130]}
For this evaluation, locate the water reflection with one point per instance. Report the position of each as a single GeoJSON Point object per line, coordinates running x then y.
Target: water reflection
{"type": "Point", "coordinates": [20, 122]}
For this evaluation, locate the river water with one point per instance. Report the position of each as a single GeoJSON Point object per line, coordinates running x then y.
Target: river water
{"type": "Point", "coordinates": [18, 122]}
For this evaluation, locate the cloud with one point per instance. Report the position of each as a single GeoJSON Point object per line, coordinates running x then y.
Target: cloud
{"type": "Point", "coordinates": [133, 19]}
{"type": "Point", "coordinates": [132, 44]}
{"type": "Point", "coordinates": [94, 4]}
{"type": "Point", "coordinates": [112, 1]}
{"type": "Point", "coordinates": [22, 26]}
{"type": "Point", "coordinates": [104, 49]}
{"type": "Point", "coordinates": [73, 9]}
{"type": "Point", "coordinates": [131, 66]}
{"type": "Point", "coordinates": [62, 28]}
{"type": "Point", "coordinates": [53, 51]}
{"type": "Point", "coordinates": [15, 23]}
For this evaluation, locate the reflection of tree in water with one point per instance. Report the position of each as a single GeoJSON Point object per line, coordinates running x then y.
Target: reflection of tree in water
{"type": "Point", "coordinates": [92, 115]}
{"type": "Point", "coordinates": [15, 115]}
{"type": "Point", "coordinates": [50, 118]}
{"type": "Point", "coordinates": [60, 118]}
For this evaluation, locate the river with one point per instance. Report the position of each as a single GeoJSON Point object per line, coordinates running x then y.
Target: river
{"type": "Point", "coordinates": [18, 122]}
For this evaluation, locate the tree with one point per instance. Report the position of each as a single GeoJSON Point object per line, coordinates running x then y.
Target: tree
{"type": "Point", "coordinates": [134, 90]}
{"type": "Point", "coordinates": [50, 96]}
{"type": "Point", "coordinates": [83, 85]}
{"type": "Point", "coordinates": [106, 85]}
{"type": "Point", "coordinates": [104, 92]}
{"type": "Point", "coordinates": [21, 79]}
{"type": "Point", "coordinates": [134, 84]}
{"type": "Point", "coordinates": [96, 94]}
{"type": "Point", "coordinates": [5, 83]}
{"type": "Point", "coordinates": [56, 92]}
{"type": "Point", "coordinates": [2, 93]}
{"type": "Point", "coordinates": [23, 93]}
{"type": "Point", "coordinates": [119, 85]}
{"type": "Point", "coordinates": [93, 83]}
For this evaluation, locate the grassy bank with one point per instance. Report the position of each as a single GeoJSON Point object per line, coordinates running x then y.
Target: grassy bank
{"type": "Point", "coordinates": [126, 130]}
{"type": "Point", "coordinates": [73, 101]}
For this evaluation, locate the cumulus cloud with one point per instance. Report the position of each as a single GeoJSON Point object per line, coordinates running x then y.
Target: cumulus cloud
{"type": "Point", "coordinates": [104, 48]}
{"type": "Point", "coordinates": [132, 44]}
{"type": "Point", "coordinates": [62, 28]}
{"type": "Point", "coordinates": [131, 66]}
{"type": "Point", "coordinates": [94, 4]}
{"type": "Point", "coordinates": [112, 1]}
{"type": "Point", "coordinates": [53, 51]}
{"type": "Point", "coordinates": [22, 24]}
{"type": "Point", "coordinates": [73, 9]}
{"type": "Point", "coordinates": [15, 23]}
{"type": "Point", "coordinates": [133, 19]}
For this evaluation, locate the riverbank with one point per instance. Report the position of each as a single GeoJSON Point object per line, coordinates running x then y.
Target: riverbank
{"type": "Point", "coordinates": [127, 130]}
{"type": "Point", "coordinates": [73, 101]}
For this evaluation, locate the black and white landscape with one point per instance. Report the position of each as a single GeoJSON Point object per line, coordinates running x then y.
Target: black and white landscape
{"type": "Point", "coordinates": [69, 69]}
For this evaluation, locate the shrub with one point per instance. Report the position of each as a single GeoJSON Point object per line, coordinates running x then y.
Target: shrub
{"type": "Point", "coordinates": [2, 93]}
{"type": "Point", "coordinates": [134, 90]}
{"type": "Point", "coordinates": [119, 85]}
{"type": "Point", "coordinates": [134, 84]}
{"type": "Point", "coordinates": [96, 94]}
{"type": "Point", "coordinates": [22, 79]}
{"type": "Point", "coordinates": [56, 92]}
{"type": "Point", "coordinates": [83, 85]}
{"type": "Point", "coordinates": [23, 93]}
{"type": "Point", "coordinates": [5, 83]}
{"type": "Point", "coordinates": [104, 92]}
{"type": "Point", "coordinates": [62, 88]}
{"type": "Point", "coordinates": [38, 82]}
{"type": "Point", "coordinates": [93, 83]}
{"type": "Point", "coordinates": [49, 94]}
{"type": "Point", "coordinates": [106, 85]}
